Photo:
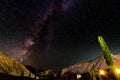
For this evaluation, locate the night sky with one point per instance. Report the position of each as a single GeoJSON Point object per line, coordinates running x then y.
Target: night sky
{"type": "Point", "coordinates": [58, 33]}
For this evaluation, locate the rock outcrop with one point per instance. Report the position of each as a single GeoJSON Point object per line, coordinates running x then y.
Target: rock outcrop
{"type": "Point", "coordinates": [13, 67]}
{"type": "Point", "coordinates": [98, 63]}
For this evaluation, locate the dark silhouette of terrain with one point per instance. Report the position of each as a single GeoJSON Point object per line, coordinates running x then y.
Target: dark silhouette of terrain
{"type": "Point", "coordinates": [4, 76]}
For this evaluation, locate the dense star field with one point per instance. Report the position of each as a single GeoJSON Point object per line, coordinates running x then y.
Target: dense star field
{"type": "Point", "coordinates": [58, 33]}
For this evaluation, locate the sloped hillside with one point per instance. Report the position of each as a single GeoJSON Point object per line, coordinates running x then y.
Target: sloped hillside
{"type": "Point", "coordinates": [12, 67]}
{"type": "Point", "coordinates": [83, 66]}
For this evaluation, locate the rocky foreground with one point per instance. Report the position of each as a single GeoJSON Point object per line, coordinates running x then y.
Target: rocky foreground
{"type": "Point", "coordinates": [13, 67]}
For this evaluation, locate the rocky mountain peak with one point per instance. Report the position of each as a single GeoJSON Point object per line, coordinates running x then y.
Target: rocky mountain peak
{"type": "Point", "coordinates": [98, 63]}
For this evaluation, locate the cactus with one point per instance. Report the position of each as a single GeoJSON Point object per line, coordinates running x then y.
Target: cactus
{"type": "Point", "coordinates": [92, 73]}
{"type": "Point", "coordinates": [107, 55]}
{"type": "Point", "coordinates": [106, 52]}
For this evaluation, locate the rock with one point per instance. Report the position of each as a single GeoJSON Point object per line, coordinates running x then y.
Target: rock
{"type": "Point", "coordinates": [83, 66]}
{"type": "Point", "coordinates": [13, 67]}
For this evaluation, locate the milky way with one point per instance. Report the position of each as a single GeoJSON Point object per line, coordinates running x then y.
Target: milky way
{"type": "Point", "coordinates": [42, 31]}
{"type": "Point", "coordinates": [57, 33]}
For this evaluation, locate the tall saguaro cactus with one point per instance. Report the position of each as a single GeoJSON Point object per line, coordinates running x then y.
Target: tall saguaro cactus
{"type": "Point", "coordinates": [106, 52]}
{"type": "Point", "coordinates": [108, 57]}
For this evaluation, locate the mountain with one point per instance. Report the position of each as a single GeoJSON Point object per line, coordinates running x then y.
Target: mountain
{"type": "Point", "coordinates": [13, 67]}
{"type": "Point", "coordinates": [83, 66]}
